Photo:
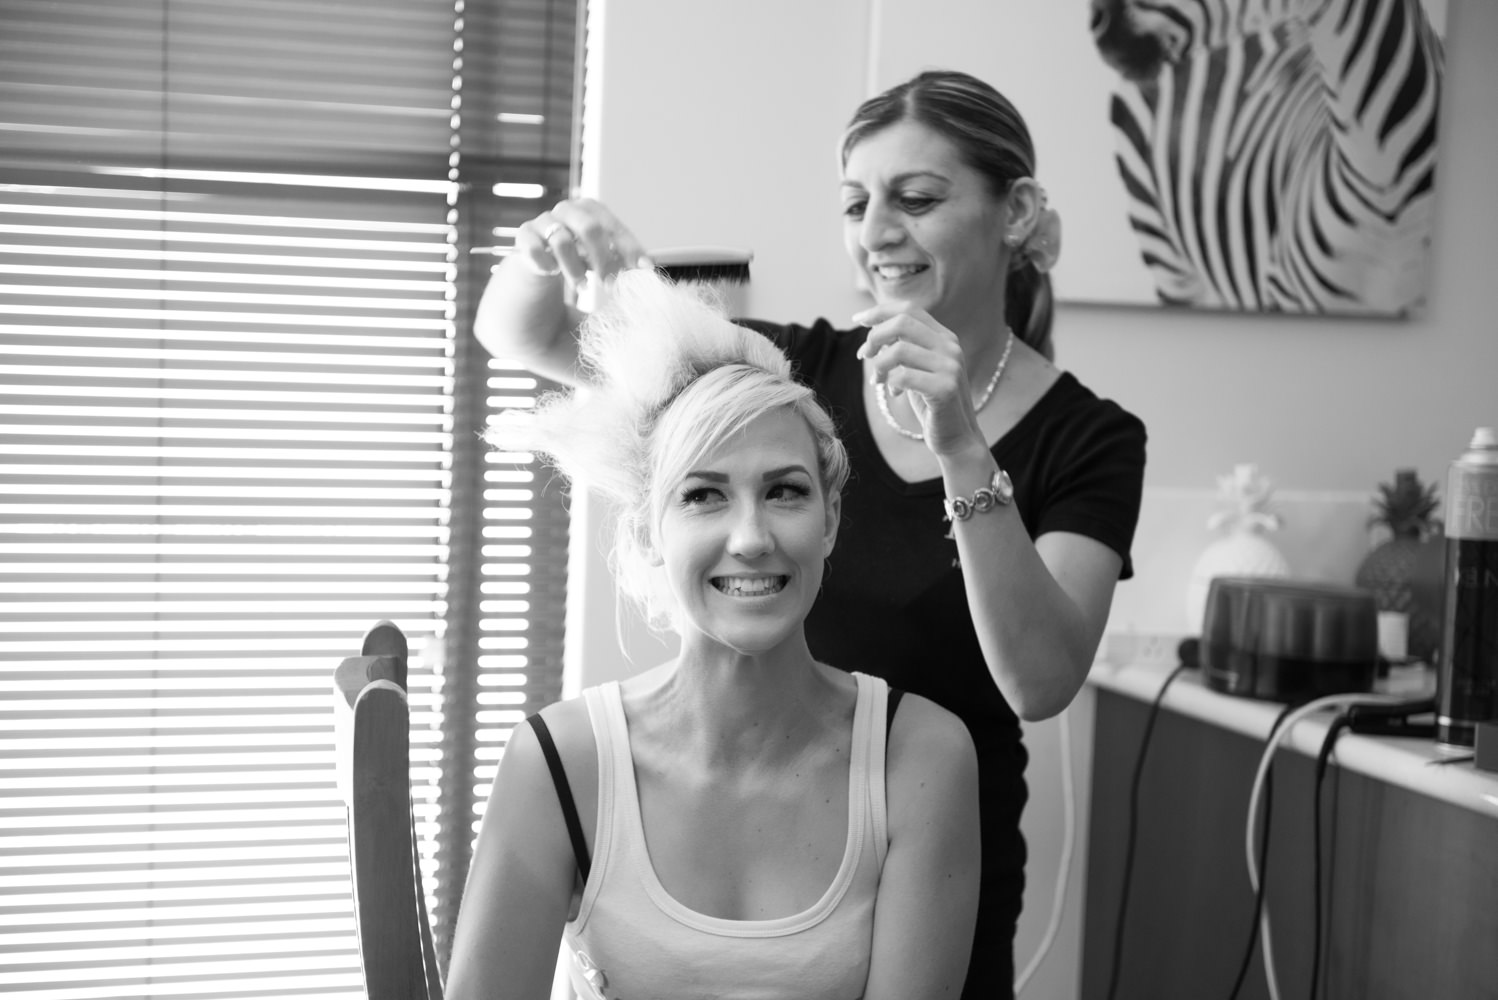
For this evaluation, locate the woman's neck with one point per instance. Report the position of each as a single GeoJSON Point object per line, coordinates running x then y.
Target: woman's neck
{"type": "Point", "coordinates": [981, 332]}
{"type": "Point", "coordinates": [720, 705]}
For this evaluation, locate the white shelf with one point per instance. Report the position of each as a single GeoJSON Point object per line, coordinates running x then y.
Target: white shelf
{"type": "Point", "coordinates": [1415, 764]}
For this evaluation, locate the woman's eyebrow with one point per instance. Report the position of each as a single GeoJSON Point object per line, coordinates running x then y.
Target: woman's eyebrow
{"type": "Point", "coordinates": [909, 175]}
{"type": "Point", "coordinates": [721, 477]}
{"type": "Point", "coordinates": [785, 471]}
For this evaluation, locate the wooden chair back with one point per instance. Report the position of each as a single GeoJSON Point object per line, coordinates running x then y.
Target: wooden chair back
{"type": "Point", "coordinates": [373, 724]}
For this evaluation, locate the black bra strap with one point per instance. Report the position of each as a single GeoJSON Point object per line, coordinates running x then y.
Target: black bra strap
{"type": "Point", "coordinates": [564, 793]}
{"type": "Point", "coordinates": [893, 702]}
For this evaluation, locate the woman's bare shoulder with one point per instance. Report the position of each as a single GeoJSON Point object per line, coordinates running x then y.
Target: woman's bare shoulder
{"type": "Point", "coordinates": [926, 739]}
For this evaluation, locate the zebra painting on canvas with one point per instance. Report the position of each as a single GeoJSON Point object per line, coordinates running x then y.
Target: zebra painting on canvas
{"type": "Point", "coordinates": [1277, 155]}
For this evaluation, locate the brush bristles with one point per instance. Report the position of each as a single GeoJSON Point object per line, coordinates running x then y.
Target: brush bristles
{"type": "Point", "coordinates": [731, 273]}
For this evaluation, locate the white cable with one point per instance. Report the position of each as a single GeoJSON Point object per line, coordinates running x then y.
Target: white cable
{"type": "Point", "coordinates": [1063, 874]}
{"type": "Point", "coordinates": [1309, 708]}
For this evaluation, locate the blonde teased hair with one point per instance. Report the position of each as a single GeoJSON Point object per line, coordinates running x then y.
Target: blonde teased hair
{"type": "Point", "coordinates": [665, 379]}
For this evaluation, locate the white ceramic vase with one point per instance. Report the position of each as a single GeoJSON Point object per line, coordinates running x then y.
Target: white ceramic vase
{"type": "Point", "coordinates": [1244, 552]}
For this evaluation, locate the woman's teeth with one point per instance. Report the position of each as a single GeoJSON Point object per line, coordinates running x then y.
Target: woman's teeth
{"type": "Point", "coordinates": [890, 272]}
{"type": "Point", "coordinates": [739, 586]}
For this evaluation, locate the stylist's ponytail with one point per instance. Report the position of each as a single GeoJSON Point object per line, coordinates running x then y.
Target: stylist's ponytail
{"type": "Point", "coordinates": [1028, 307]}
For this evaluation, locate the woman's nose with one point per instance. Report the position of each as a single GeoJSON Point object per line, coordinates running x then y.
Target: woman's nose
{"type": "Point", "coordinates": [879, 229]}
{"type": "Point", "coordinates": [750, 536]}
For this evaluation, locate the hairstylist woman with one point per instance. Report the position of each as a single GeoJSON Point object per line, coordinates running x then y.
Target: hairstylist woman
{"type": "Point", "coordinates": [993, 498]}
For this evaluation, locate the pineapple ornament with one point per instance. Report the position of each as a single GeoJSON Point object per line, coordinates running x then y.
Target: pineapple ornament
{"type": "Point", "coordinates": [1405, 571]}
{"type": "Point", "coordinates": [1243, 550]}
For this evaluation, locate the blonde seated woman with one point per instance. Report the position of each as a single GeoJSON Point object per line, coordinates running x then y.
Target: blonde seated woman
{"type": "Point", "coordinates": [742, 821]}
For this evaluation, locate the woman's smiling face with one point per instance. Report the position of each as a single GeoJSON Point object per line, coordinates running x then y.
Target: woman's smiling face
{"type": "Point", "coordinates": [922, 226]}
{"type": "Point", "coordinates": [744, 534]}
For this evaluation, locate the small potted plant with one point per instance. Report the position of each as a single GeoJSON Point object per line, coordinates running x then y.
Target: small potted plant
{"type": "Point", "coordinates": [1404, 571]}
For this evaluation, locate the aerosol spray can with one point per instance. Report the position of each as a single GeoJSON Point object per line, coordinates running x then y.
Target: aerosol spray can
{"type": "Point", "coordinates": [1467, 682]}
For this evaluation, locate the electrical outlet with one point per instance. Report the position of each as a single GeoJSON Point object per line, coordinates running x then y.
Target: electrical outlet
{"type": "Point", "coordinates": [1159, 650]}
{"type": "Point", "coordinates": [1122, 649]}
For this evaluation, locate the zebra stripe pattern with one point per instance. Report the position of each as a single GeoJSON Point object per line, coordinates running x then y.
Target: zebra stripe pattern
{"type": "Point", "coordinates": [1278, 155]}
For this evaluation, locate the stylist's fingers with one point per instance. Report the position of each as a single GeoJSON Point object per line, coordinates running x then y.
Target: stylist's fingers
{"type": "Point", "coordinates": [533, 245]}
{"type": "Point", "coordinates": [903, 336]}
{"type": "Point", "coordinates": [600, 242]}
{"type": "Point", "coordinates": [891, 322]}
{"type": "Point", "coordinates": [563, 243]}
{"type": "Point", "coordinates": [932, 388]}
{"type": "Point", "coordinates": [627, 251]}
{"type": "Point", "coordinates": [906, 365]}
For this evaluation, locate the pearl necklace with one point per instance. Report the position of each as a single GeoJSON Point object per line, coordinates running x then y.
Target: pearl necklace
{"type": "Point", "coordinates": [882, 392]}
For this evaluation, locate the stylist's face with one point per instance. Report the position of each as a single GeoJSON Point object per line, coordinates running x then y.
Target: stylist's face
{"type": "Point", "coordinates": [744, 535]}
{"type": "Point", "coordinates": [921, 225]}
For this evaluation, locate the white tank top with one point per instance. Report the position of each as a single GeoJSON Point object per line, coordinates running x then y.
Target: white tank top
{"type": "Point", "coordinates": [631, 940]}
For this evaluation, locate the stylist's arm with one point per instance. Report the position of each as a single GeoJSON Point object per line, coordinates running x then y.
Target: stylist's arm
{"type": "Point", "coordinates": [1039, 607]}
{"type": "Point", "coordinates": [526, 313]}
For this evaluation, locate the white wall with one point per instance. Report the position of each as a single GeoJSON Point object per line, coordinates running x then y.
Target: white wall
{"type": "Point", "coordinates": [719, 124]}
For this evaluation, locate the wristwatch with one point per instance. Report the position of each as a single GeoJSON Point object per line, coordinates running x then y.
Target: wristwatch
{"type": "Point", "coordinates": [998, 492]}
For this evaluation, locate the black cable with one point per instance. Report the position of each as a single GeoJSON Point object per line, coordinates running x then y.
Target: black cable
{"type": "Point", "coordinates": [1128, 864]}
{"type": "Point", "coordinates": [1327, 743]}
{"type": "Point", "coordinates": [1268, 792]}
{"type": "Point", "coordinates": [1378, 719]}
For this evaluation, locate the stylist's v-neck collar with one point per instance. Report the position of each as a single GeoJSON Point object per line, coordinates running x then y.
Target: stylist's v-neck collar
{"type": "Point", "coordinates": [860, 428]}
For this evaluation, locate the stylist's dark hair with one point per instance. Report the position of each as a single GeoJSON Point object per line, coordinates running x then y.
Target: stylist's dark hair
{"type": "Point", "coordinates": [991, 135]}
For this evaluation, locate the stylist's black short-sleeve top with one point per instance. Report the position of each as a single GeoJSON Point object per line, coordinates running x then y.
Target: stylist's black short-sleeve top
{"type": "Point", "coordinates": [893, 602]}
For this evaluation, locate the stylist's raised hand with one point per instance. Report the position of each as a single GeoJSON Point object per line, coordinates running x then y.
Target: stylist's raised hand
{"type": "Point", "coordinates": [914, 355]}
{"type": "Point", "coordinates": [577, 237]}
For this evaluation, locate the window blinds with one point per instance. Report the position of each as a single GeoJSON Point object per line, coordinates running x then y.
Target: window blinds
{"type": "Point", "coordinates": [517, 151]}
{"type": "Point", "coordinates": [234, 433]}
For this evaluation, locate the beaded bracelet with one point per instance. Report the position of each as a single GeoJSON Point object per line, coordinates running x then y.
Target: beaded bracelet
{"type": "Point", "coordinates": [998, 492]}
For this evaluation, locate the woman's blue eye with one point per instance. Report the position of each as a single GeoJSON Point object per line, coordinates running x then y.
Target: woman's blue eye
{"type": "Point", "coordinates": [853, 210]}
{"type": "Point", "coordinates": [697, 495]}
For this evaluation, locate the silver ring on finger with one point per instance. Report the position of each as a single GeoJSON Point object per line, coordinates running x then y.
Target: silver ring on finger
{"type": "Point", "coordinates": [551, 231]}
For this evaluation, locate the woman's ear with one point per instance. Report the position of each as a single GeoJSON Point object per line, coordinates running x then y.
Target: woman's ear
{"type": "Point", "coordinates": [1022, 208]}
{"type": "Point", "coordinates": [834, 516]}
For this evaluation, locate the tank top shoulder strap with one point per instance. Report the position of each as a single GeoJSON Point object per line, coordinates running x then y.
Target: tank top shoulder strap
{"type": "Point", "coordinates": [870, 730]}
{"type": "Point", "coordinates": [610, 732]}
{"type": "Point", "coordinates": [606, 717]}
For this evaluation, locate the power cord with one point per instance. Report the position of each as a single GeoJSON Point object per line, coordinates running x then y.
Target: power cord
{"type": "Point", "coordinates": [1383, 720]}
{"type": "Point", "coordinates": [1272, 744]}
{"type": "Point", "coordinates": [1253, 930]}
{"type": "Point", "coordinates": [1128, 864]}
{"type": "Point", "coordinates": [1339, 724]}
{"type": "Point", "coordinates": [1063, 873]}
